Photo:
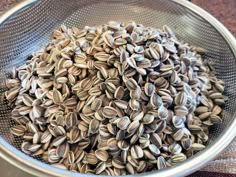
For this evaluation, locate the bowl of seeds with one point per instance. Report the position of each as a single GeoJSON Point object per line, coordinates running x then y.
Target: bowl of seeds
{"type": "Point", "coordinates": [114, 87]}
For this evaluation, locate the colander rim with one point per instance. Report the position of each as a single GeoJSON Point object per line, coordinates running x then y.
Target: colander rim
{"type": "Point", "coordinates": [35, 167]}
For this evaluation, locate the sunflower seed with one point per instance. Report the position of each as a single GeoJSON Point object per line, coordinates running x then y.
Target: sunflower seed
{"type": "Point", "coordinates": [123, 123]}
{"type": "Point", "coordinates": [115, 99]}
{"type": "Point", "coordinates": [133, 126]}
{"type": "Point", "coordinates": [148, 119]}
{"type": "Point", "coordinates": [178, 135]}
{"type": "Point", "coordinates": [101, 56]}
{"type": "Point", "coordinates": [136, 152]}
{"type": "Point", "coordinates": [59, 140]}
{"type": "Point", "coordinates": [134, 104]}
{"type": "Point", "coordinates": [130, 168]}
{"type": "Point", "coordinates": [156, 140]}
{"type": "Point", "coordinates": [201, 109]}
{"type": "Point", "coordinates": [96, 104]}
{"type": "Point", "coordinates": [34, 147]}
{"type": "Point", "coordinates": [117, 163]}
{"type": "Point", "coordinates": [197, 147]}
{"type": "Point", "coordinates": [205, 115]}
{"type": "Point", "coordinates": [71, 120]}
{"type": "Point", "coordinates": [181, 110]}
{"type": "Point", "coordinates": [102, 155]}
{"type": "Point", "coordinates": [215, 119]}
{"type": "Point", "coordinates": [70, 103]}
{"type": "Point", "coordinates": [121, 104]}
{"type": "Point", "coordinates": [27, 100]}
{"type": "Point", "coordinates": [46, 137]}
{"type": "Point", "coordinates": [178, 158]}
{"type": "Point", "coordinates": [62, 150]}
{"type": "Point", "coordinates": [93, 126]}
{"type": "Point", "coordinates": [149, 89]}
{"type": "Point", "coordinates": [36, 138]}
{"type": "Point", "coordinates": [57, 97]}
{"type": "Point", "coordinates": [161, 162]}
{"type": "Point", "coordinates": [156, 101]}
{"type": "Point", "coordinates": [181, 98]}
{"type": "Point", "coordinates": [18, 130]}
{"type": "Point", "coordinates": [91, 158]}
{"type": "Point", "coordinates": [178, 121]}
{"type": "Point", "coordinates": [100, 168]}
{"type": "Point", "coordinates": [109, 112]}
{"type": "Point", "coordinates": [131, 84]}
{"type": "Point", "coordinates": [216, 110]}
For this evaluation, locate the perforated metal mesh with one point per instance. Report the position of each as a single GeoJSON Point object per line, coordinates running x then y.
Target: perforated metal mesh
{"type": "Point", "coordinates": [30, 28]}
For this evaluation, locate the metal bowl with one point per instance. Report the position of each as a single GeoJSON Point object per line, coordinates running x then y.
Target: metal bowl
{"type": "Point", "coordinates": [27, 27]}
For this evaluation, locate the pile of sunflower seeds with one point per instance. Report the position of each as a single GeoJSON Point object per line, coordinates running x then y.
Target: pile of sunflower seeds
{"type": "Point", "coordinates": [114, 99]}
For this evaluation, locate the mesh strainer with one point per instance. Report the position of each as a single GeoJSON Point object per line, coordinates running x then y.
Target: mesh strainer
{"type": "Point", "coordinates": [27, 27]}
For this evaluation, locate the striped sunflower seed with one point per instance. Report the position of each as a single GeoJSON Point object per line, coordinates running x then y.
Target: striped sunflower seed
{"type": "Point", "coordinates": [102, 155]}
{"type": "Point", "coordinates": [18, 130]}
{"type": "Point", "coordinates": [109, 112]}
{"type": "Point", "coordinates": [115, 99]}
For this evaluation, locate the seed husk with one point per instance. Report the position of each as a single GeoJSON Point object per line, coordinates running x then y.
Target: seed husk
{"type": "Point", "coordinates": [178, 135]}
{"type": "Point", "coordinates": [93, 126]}
{"type": "Point", "coordinates": [178, 158]}
{"type": "Point", "coordinates": [71, 120]}
{"type": "Point", "coordinates": [156, 140]}
{"type": "Point", "coordinates": [133, 126]}
{"type": "Point", "coordinates": [91, 158]}
{"type": "Point", "coordinates": [46, 137]}
{"type": "Point", "coordinates": [149, 155]}
{"type": "Point", "coordinates": [136, 152]}
{"type": "Point", "coordinates": [121, 104]}
{"type": "Point", "coordinates": [131, 84]}
{"type": "Point", "coordinates": [201, 109]}
{"type": "Point", "coordinates": [27, 100]}
{"type": "Point", "coordinates": [156, 101]}
{"type": "Point", "coordinates": [123, 123]}
{"type": "Point", "coordinates": [62, 150]}
{"type": "Point", "coordinates": [102, 155]}
{"type": "Point", "coordinates": [59, 140]}
{"type": "Point", "coordinates": [205, 115]}
{"type": "Point", "coordinates": [117, 163]}
{"type": "Point", "coordinates": [181, 98]}
{"type": "Point", "coordinates": [149, 89]}
{"type": "Point", "coordinates": [197, 147]}
{"type": "Point", "coordinates": [109, 112]}
{"type": "Point", "coordinates": [161, 163]}
{"type": "Point", "coordinates": [216, 110]}
{"type": "Point", "coordinates": [181, 110]}
{"type": "Point", "coordinates": [96, 104]}
{"type": "Point", "coordinates": [148, 119]}
{"type": "Point", "coordinates": [154, 149]}
{"type": "Point", "coordinates": [115, 99]}
{"type": "Point", "coordinates": [18, 130]}
{"type": "Point", "coordinates": [119, 93]}
{"type": "Point", "coordinates": [70, 103]}
{"type": "Point", "coordinates": [215, 119]}
{"type": "Point", "coordinates": [130, 168]}
{"type": "Point", "coordinates": [100, 167]}
{"type": "Point", "coordinates": [57, 97]}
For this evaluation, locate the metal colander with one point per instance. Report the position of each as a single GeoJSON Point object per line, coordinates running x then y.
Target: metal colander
{"type": "Point", "coordinates": [27, 27]}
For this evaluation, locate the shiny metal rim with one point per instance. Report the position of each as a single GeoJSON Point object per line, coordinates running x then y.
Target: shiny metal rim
{"type": "Point", "coordinates": [30, 165]}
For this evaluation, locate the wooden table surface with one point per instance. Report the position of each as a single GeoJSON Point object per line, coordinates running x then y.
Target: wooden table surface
{"type": "Point", "coordinates": [223, 10]}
